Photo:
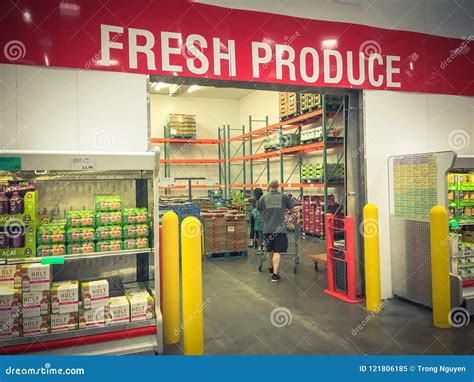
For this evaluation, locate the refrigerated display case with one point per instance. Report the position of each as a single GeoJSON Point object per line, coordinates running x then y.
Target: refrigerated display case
{"type": "Point", "coordinates": [67, 181]}
{"type": "Point", "coordinates": [418, 182]}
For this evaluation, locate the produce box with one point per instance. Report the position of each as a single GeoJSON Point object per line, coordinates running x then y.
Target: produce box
{"type": "Point", "coordinates": [35, 277]}
{"type": "Point", "coordinates": [35, 303]}
{"type": "Point", "coordinates": [109, 245]}
{"type": "Point", "coordinates": [95, 294]}
{"type": "Point", "coordinates": [135, 230]}
{"type": "Point", "coordinates": [119, 310]}
{"type": "Point", "coordinates": [50, 234]}
{"type": "Point", "coordinates": [51, 250]}
{"type": "Point", "coordinates": [80, 248]}
{"type": "Point", "coordinates": [135, 215]}
{"type": "Point", "coordinates": [80, 234]}
{"type": "Point", "coordinates": [10, 301]}
{"type": "Point", "coordinates": [137, 243]}
{"type": "Point", "coordinates": [81, 218]}
{"type": "Point", "coordinates": [19, 244]}
{"type": "Point", "coordinates": [110, 217]}
{"type": "Point", "coordinates": [108, 232]}
{"type": "Point", "coordinates": [10, 276]}
{"type": "Point", "coordinates": [142, 306]}
{"type": "Point", "coordinates": [64, 297]}
{"type": "Point", "coordinates": [64, 322]}
{"type": "Point", "coordinates": [91, 317]}
{"type": "Point", "coordinates": [28, 216]}
{"type": "Point", "coordinates": [108, 203]}
{"type": "Point", "coordinates": [10, 327]}
{"type": "Point", "coordinates": [37, 325]}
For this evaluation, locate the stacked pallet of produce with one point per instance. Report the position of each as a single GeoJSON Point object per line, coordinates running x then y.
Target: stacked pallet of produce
{"type": "Point", "coordinates": [224, 231]}
{"type": "Point", "coordinates": [315, 172]}
{"type": "Point", "coordinates": [313, 213]}
{"type": "Point", "coordinates": [309, 102]}
{"type": "Point", "coordinates": [288, 105]}
{"type": "Point", "coordinates": [182, 126]}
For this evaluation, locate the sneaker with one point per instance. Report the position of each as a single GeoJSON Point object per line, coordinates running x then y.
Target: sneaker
{"type": "Point", "coordinates": [270, 271]}
{"type": "Point", "coordinates": [275, 278]}
{"type": "Point", "coordinates": [250, 243]}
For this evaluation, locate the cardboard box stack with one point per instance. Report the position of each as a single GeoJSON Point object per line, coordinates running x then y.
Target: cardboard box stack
{"type": "Point", "coordinates": [309, 102]}
{"type": "Point", "coordinates": [215, 232]}
{"type": "Point", "coordinates": [182, 126]}
{"type": "Point", "coordinates": [313, 213]}
{"type": "Point", "coordinates": [288, 104]}
{"type": "Point", "coordinates": [236, 233]}
{"type": "Point", "coordinates": [18, 220]}
{"type": "Point", "coordinates": [315, 171]}
{"type": "Point", "coordinates": [36, 285]}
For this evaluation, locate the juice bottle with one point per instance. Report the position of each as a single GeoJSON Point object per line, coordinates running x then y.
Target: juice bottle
{"type": "Point", "coordinates": [4, 240]}
{"type": "Point", "coordinates": [17, 205]}
{"type": "Point", "coordinates": [18, 239]}
{"type": "Point", "coordinates": [4, 204]}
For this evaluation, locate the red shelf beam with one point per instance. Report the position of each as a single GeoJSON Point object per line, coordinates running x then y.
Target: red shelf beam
{"type": "Point", "coordinates": [312, 147]}
{"type": "Point", "coordinates": [192, 161]}
{"type": "Point", "coordinates": [184, 187]}
{"type": "Point", "coordinates": [289, 124]}
{"type": "Point", "coordinates": [192, 141]}
{"type": "Point", "coordinates": [291, 185]}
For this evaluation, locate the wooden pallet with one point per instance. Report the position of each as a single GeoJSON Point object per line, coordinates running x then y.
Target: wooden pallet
{"type": "Point", "coordinates": [289, 116]}
{"type": "Point", "coordinates": [226, 255]}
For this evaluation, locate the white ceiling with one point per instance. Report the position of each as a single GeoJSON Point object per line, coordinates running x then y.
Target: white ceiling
{"type": "Point", "coordinates": [207, 92]}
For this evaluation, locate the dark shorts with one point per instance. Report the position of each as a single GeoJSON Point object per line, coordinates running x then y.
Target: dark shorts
{"type": "Point", "coordinates": [275, 242]}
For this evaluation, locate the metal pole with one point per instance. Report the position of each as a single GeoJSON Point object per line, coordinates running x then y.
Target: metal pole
{"type": "Point", "coordinates": [282, 180]}
{"type": "Point", "coordinates": [251, 149]}
{"type": "Point", "coordinates": [243, 162]}
{"type": "Point", "coordinates": [229, 156]}
{"type": "Point", "coordinates": [325, 178]}
{"type": "Point", "coordinates": [268, 160]}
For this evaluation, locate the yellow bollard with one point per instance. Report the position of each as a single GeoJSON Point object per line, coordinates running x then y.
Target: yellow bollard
{"type": "Point", "coordinates": [170, 278]}
{"type": "Point", "coordinates": [372, 258]}
{"type": "Point", "coordinates": [440, 287]}
{"type": "Point", "coordinates": [193, 330]}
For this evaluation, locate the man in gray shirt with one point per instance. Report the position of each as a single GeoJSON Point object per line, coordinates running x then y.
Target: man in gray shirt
{"type": "Point", "coordinates": [273, 207]}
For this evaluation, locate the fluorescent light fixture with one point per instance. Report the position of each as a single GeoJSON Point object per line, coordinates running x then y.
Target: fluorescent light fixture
{"type": "Point", "coordinates": [111, 62]}
{"type": "Point", "coordinates": [329, 43]}
{"type": "Point", "coordinates": [159, 85]}
{"type": "Point", "coordinates": [192, 88]}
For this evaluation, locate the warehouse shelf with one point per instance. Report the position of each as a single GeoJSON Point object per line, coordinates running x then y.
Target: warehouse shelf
{"type": "Point", "coordinates": [192, 161]}
{"type": "Point", "coordinates": [94, 255]}
{"type": "Point", "coordinates": [289, 124]}
{"type": "Point", "coordinates": [311, 147]}
{"type": "Point", "coordinates": [50, 340]}
{"type": "Point", "coordinates": [194, 186]}
{"type": "Point", "coordinates": [167, 161]}
{"type": "Point", "coordinates": [193, 141]}
{"type": "Point", "coordinates": [247, 153]}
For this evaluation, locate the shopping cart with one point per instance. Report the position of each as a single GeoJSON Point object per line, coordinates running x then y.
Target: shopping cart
{"type": "Point", "coordinates": [294, 235]}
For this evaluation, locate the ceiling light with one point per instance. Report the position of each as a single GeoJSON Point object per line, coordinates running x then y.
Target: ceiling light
{"type": "Point", "coordinates": [159, 85]}
{"type": "Point", "coordinates": [192, 88]}
{"type": "Point", "coordinates": [329, 44]}
{"type": "Point", "coordinates": [27, 16]}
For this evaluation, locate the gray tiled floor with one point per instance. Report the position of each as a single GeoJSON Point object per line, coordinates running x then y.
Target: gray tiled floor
{"type": "Point", "coordinates": [238, 316]}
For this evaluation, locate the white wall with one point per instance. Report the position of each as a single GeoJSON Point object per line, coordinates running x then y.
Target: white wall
{"type": "Point", "coordinates": [440, 17]}
{"type": "Point", "coordinates": [210, 114]}
{"type": "Point", "coordinates": [65, 109]}
{"type": "Point", "coordinates": [403, 123]}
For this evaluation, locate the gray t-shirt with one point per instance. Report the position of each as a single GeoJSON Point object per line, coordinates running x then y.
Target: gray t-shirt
{"type": "Point", "coordinates": [273, 206]}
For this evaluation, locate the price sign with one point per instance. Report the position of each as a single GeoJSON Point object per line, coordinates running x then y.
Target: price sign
{"type": "Point", "coordinates": [82, 163]}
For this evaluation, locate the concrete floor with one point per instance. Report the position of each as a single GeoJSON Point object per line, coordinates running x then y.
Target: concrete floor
{"type": "Point", "coordinates": [240, 301]}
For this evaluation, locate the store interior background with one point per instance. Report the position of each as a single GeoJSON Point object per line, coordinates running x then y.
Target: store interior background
{"type": "Point", "coordinates": [73, 109]}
